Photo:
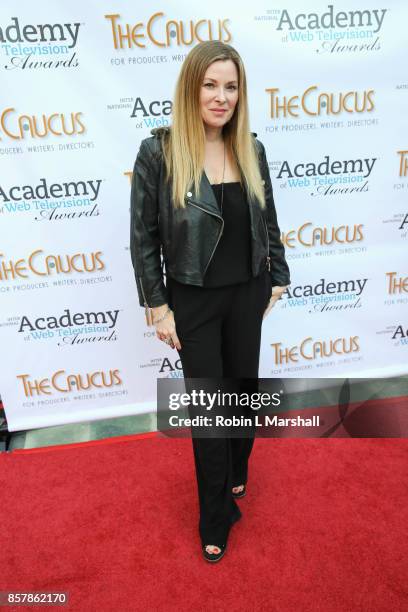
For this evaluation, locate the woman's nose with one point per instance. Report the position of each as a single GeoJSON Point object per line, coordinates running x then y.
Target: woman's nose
{"type": "Point", "coordinates": [220, 95]}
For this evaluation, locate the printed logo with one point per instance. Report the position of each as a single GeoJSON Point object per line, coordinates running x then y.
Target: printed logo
{"type": "Point", "coordinates": [328, 177]}
{"type": "Point", "coordinates": [52, 202]}
{"type": "Point", "coordinates": [399, 222]}
{"type": "Point", "coordinates": [400, 334]}
{"type": "Point", "coordinates": [38, 263]}
{"type": "Point", "coordinates": [312, 350]}
{"type": "Point", "coordinates": [329, 20]}
{"type": "Point", "coordinates": [162, 32]}
{"type": "Point", "coordinates": [396, 288]}
{"type": "Point", "coordinates": [19, 127]}
{"type": "Point", "coordinates": [63, 382]}
{"type": "Point", "coordinates": [396, 284]}
{"type": "Point", "coordinates": [331, 32]}
{"type": "Point", "coordinates": [69, 328]}
{"type": "Point", "coordinates": [312, 103]}
{"type": "Point", "coordinates": [309, 236]}
{"type": "Point", "coordinates": [397, 334]}
{"type": "Point", "coordinates": [39, 46]}
{"type": "Point", "coordinates": [164, 367]}
{"type": "Point", "coordinates": [326, 296]}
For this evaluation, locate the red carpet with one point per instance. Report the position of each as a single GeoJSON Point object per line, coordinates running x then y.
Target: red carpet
{"type": "Point", "coordinates": [114, 523]}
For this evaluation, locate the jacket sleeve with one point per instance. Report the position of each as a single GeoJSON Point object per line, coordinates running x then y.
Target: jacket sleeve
{"type": "Point", "coordinates": [279, 267]}
{"type": "Point", "coordinates": [144, 229]}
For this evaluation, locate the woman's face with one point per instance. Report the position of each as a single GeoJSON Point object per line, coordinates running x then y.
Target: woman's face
{"type": "Point", "coordinates": [219, 93]}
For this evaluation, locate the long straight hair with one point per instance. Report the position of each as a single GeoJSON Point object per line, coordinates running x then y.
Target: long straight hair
{"type": "Point", "coordinates": [184, 148]}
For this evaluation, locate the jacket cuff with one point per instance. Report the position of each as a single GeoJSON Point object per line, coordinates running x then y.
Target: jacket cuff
{"type": "Point", "coordinates": [149, 295]}
{"type": "Point", "coordinates": [279, 280]}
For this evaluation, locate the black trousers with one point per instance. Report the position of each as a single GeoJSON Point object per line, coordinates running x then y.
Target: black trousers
{"type": "Point", "coordinates": [220, 334]}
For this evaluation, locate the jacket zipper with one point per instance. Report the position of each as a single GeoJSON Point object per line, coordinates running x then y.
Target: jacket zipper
{"type": "Point", "coordinates": [220, 234]}
{"type": "Point", "coordinates": [268, 259]}
{"type": "Point", "coordinates": [143, 293]}
{"type": "Point", "coordinates": [148, 312]}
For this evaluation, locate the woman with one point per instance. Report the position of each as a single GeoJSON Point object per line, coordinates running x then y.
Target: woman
{"type": "Point", "coordinates": [202, 198]}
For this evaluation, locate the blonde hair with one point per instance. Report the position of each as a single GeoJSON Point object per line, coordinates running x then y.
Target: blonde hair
{"type": "Point", "coordinates": [184, 147]}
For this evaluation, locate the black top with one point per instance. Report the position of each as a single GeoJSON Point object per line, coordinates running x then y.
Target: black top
{"type": "Point", "coordinates": [231, 262]}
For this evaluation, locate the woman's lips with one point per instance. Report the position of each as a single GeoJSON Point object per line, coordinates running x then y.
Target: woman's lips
{"type": "Point", "coordinates": [219, 111]}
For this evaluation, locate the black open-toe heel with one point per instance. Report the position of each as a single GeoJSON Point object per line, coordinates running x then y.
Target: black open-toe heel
{"type": "Point", "coordinates": [214, 557]}
{"type": "Point", "coordinates": [241, 493]}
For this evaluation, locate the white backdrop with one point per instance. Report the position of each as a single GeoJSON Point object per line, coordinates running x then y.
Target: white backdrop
{"type": "Point", "coordinates": [328, 95]}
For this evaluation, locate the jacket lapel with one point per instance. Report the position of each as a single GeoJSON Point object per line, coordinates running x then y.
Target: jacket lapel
{"type": "Point", "coordinates": [206, 198]}
{"type": "Point", "coordinates": [208, 201]}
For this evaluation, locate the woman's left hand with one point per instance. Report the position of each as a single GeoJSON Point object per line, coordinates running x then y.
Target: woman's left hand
{"type": "Point", "coordinates": [277, 293]}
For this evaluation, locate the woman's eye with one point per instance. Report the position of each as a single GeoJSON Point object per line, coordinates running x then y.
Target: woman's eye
{"type": "Point", "coordinates": [232, 87]}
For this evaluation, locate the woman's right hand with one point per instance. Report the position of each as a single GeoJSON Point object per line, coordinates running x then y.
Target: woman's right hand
{"type": "Point", "coordinates": [277, 293]}
{"type": "Point", "coordinates": [166, 329]}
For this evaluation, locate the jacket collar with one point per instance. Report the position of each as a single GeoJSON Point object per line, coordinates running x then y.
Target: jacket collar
{"type": "Point", "coordinates": [206, 198]}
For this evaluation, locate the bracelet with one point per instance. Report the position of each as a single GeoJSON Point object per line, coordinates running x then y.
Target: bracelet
{"type": "Point", "coordinates": [162, 317]}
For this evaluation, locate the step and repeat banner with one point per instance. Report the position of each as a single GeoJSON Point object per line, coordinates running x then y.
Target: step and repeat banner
{"type": "Point", "coordinates": [82, 83]}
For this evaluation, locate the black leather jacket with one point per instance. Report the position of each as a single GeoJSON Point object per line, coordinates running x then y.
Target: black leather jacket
{"type": "Point", "coordinates": [184, 240]}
